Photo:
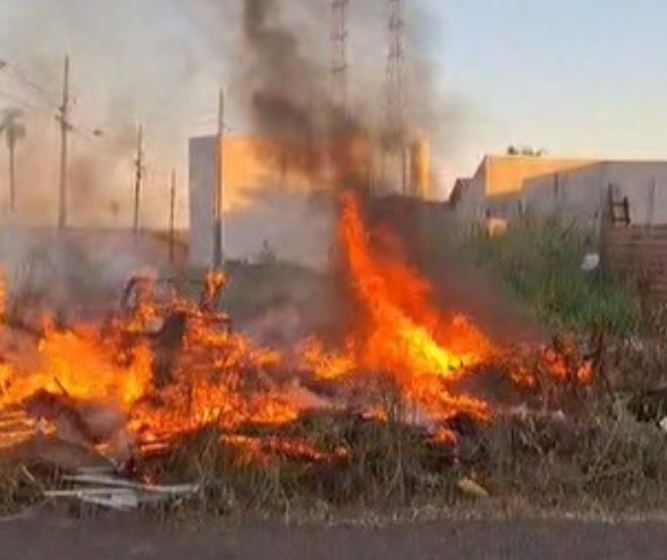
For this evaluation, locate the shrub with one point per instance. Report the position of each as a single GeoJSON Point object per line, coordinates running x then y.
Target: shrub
{"type": "Point", "coordinates": [542, 265]}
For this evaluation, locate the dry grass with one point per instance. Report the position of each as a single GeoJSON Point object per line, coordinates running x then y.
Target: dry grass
{"type": "Point", "coordinates": [326, 461]}
{"type": "Point", "coordinates": [578, 447]}
{"type": "Point", "coordinates": [573, 446]}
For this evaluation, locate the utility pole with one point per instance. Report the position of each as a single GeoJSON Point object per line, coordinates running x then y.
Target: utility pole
{"type": "Point", "coordinates": [63, 119]}
{"type": "Point", "coordinates": [218, 240]}
{"type": "Point", "coordinates": [138, 178]}
{"type": "Point", "coordinates": [172, 217]}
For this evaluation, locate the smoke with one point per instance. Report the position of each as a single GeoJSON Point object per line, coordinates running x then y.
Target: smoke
{"type": "Point", "coordinates": [289, 96]}
{"type": "Point", "coordinates": [276, 219]}
{"type": "Point", "coordinates": [130, 63]}
{"type": "Point", "coordinates": [281, 82]}
{"type": "Point", "coordinates": [161, 63]}
{"type": "Point", "coordinates": [72, 275]}
{"type": "Point", "coordinates": [84, 424]}
{"type": "Point", "coordinates": [289, 92]}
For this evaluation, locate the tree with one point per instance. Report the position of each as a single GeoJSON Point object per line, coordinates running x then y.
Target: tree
{"type": "Point", "coordinates": [13, 129]}
{"type": "Point", "coordinates": [525, 151]}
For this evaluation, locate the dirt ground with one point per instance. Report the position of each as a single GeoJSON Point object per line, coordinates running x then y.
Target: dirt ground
{"type": "Point", "coordinates": [58, 538]}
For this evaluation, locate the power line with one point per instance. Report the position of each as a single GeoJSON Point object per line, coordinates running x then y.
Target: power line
{"type": "Point", "coordinates": [47, 105]}
{"type": "Point", "coordinates": [17, 101]}
{"type": "Point", "coordinates": [48, 96]}
{"type": "Point", "coordinates": [27, 81]}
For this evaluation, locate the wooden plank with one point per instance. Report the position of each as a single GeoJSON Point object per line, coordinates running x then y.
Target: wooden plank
{"type": "Point", "coordinates": [635, 234]}
{"type": "Point", "coordinates": [125, 502]}
{"type": "Point", "coordinates": [643, 245]}
{"type": "Point", "coordinates": [115, 482]}
{"type": "Point", "coordinates": [120, 494]}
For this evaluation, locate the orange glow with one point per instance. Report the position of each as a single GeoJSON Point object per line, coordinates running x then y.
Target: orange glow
{"type": "Point", "coordinates": [401, 359]}
{"type": "Point", "coordinates": [80, 366]}
{"type": "Point", "coordinates": [403, 336]}
{"type": "Point", "coordinates": [563, 369]}
{"type": "Point", "coordinates": [324, 364]}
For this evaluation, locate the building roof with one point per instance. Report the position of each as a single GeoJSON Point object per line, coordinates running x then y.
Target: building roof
{"type": "Point", "coordinates": [507, 173]}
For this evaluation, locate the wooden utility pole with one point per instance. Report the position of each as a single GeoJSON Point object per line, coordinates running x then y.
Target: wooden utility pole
{"type": "Point", "coordinates": [63, 119]}
{"type": "Point", "coordinates": [218, 240]}
{"type": "Point", "coordinates": [172, 217]}
{"type": "Point", "coordinates": [138, 178]}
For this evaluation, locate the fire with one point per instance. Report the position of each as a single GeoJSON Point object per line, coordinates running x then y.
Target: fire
{"type": "Point", "coordinates": [325, 364]}
{"type": "Point", "coordinates": [80, 366]}
{"type": "Point", "coordinates": [400, 355]}
{"type": "Point", "coordinates": [403, 336]}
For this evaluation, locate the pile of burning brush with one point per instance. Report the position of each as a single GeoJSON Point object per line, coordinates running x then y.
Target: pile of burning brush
{"type": "Point", "coordinates": [187, 397]}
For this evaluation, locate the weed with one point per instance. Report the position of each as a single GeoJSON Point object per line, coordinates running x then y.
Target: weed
{"type": "Point", "coordinates": [542, 265]}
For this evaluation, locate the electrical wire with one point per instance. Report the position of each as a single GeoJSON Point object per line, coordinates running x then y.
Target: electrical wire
{"type": "Point", "coordinates": [47, 96]}
{"type": "Point", "coordinates": [48, 107]}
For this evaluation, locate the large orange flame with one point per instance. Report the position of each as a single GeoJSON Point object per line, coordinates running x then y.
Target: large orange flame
{"type": "Point", "coordinates": [216, 377]}
{"type": "Point", "coordinates": [403, 336]}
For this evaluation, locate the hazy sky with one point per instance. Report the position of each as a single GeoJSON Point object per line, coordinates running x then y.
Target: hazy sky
{"type": "Point", "coordinates": [572, 77]}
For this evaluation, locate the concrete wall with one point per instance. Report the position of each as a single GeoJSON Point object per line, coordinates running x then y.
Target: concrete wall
{"type": "Point", "coordinates": [581, 195]}
{"type": "Point", "coordinates": [645, 185]}
{"type": "Point", "coordinates": [505, 207]}
{"type": "Point", "coordinates": [507, 174]}
{"type": "Point", "coordinates": [470, 206]}
{"type": "Point", "coordinates": [571, 195]}
{"type": "Point", "coordinates": [495, 190]}
{"type": "Point", "coordinates": [266, 201]}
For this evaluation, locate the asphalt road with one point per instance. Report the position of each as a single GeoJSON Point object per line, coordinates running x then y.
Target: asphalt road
{"type": "Point", "coordinates": [56, 539]}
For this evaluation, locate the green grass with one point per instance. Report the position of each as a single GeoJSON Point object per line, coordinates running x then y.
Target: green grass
{"type": "Point", "coordinates": [541, 265]}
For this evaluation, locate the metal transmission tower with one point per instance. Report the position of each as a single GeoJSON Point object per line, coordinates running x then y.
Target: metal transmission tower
{"type": "Point", "coordinates": [396, 87]}
{"type": "Point", "coordinates": [339, 61]}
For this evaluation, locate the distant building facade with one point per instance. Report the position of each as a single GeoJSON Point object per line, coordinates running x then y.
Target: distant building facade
{"type": "Point", "coordinates": [581, 195]}
{"type": "Point", "coordinates": [507, 188]}
{"type": "Point", "coordinates": [277, 178]}
{"type": "Point", "coordinates": [495, 191]}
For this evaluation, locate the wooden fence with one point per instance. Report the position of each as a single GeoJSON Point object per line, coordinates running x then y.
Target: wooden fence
{"type": "Point", "coordinates": [637, 254]}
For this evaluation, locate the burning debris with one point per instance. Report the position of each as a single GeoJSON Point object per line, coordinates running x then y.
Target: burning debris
{"type": "Point", "coordinates": [164, 389]}
{"type": "Point", "coordinates": [83, 423]}
{"type": "Point", "coordinates": [139, 386]}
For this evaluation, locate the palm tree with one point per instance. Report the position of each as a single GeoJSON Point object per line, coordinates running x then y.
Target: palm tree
{"type": "Point", "coordinates": [13, 129]}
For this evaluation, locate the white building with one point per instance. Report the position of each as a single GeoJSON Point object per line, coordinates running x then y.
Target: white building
{"type": "Point", "coordinates": [266, 199]}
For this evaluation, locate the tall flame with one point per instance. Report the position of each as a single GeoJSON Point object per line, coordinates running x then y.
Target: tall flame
{"type": "Point", "coordinates": [403, 335]}
{"type": "Point", "coordinates": [214, 376]}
